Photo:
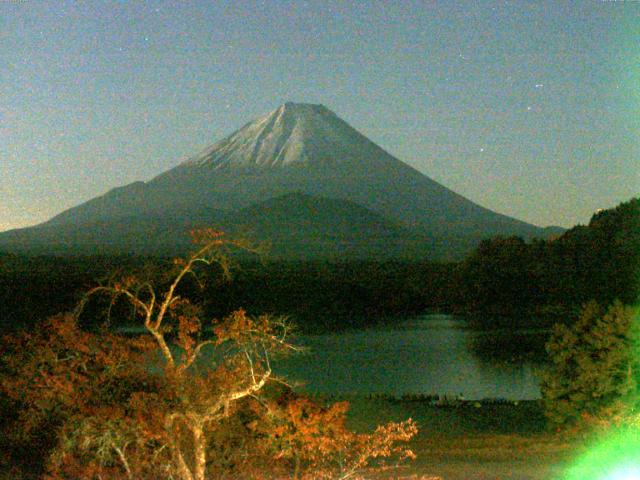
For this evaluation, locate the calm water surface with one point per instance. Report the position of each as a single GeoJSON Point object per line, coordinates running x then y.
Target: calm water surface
{"type": "Point", "coordinates": [428, 354]}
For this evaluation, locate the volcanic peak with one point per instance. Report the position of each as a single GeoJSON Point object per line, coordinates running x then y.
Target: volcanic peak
{"type": "Point", "coordinates": [294, 133]}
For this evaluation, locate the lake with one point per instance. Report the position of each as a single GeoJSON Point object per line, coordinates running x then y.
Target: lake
{"type": "Point", "coordinates": [426, 354]}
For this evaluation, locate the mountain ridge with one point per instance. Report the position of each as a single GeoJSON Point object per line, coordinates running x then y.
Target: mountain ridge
{"type": "Point", "coordinates": [298, 226]}
{"type": "Point", "coordinates": [303, 148]}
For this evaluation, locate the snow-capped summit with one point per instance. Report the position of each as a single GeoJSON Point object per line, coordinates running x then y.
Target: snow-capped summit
{"type": "Point", "coordinates": [297, 148]}
{"type": "Point", "coordinates": [294, 133]}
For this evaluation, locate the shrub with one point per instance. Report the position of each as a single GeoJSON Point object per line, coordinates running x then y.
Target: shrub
{"type": "Point", "coordinates": [594, 367]}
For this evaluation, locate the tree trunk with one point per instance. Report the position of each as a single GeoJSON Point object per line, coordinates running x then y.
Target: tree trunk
{"type": "Point", "coordinates": [200, 453]}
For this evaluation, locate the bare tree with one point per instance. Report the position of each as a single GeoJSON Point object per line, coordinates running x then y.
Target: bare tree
{"type": "Point", "coordinates": [246, 343]}
{"type": "Point", "coordinates": [162, 404]}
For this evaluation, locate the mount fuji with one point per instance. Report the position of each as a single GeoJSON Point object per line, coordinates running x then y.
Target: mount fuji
{"type": "Point", "coordinates": [300, 173]}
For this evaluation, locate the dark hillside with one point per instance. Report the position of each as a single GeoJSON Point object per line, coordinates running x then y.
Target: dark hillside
{"type": "Point", "coordinates": [599, 261]}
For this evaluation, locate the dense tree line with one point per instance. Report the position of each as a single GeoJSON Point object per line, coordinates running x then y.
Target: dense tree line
{"type": "Point", "coordinates": [317, 295]}
{"type": "Point", "coordinates": [320, 295]}
{"type": "Point", "coordinates": [600, 261]}
{"type": "Point", "coordinates": [32, 288]}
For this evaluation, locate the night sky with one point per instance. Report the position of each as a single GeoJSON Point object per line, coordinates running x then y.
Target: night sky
{"type": "Point", "coordinates": [529, 108]}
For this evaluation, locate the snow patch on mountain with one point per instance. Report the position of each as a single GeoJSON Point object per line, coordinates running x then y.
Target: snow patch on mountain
{"type": "Point", "coordinates": [294, 133]}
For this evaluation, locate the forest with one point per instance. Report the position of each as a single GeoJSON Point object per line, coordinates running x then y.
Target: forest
{"type": "Point", "coordinates": [502, 276]}
{"type": "Point", "coordinates": [599, 261]}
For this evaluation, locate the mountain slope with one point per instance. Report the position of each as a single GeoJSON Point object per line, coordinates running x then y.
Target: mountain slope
{"type": "Point", "coordinates": [308, 149]}
{"type": "Point", "coordinates": [134, 234]}
{"type": "Point", "coordinates": [303, 226]}
{"type": "Point", "coordinates": [297, 226]}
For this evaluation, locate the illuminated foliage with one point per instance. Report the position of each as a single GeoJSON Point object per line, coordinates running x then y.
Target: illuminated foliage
{"type": "Point", "coordinates": [594, 367]}
{"type": "Point", "coordinates": [185, 399]}
{"type": "Point", "coordinates": [316, 439]}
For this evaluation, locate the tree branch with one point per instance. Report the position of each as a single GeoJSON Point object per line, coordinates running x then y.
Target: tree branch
{"type": "Point", "coordinates": [123, 459]}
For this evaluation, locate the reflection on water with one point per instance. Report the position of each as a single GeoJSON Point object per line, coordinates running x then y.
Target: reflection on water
{"type": "Point", "coordinates": [431, 354]}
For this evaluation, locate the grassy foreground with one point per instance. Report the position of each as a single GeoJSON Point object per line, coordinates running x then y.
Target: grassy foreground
{"type": "Point", "coordinates": [471, 441]}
